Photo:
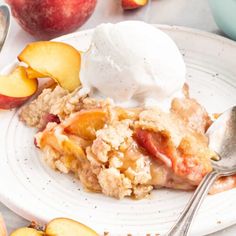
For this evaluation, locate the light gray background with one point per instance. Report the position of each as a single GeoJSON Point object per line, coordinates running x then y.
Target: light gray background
{"type": "Point", "coordinates": [190, 13]}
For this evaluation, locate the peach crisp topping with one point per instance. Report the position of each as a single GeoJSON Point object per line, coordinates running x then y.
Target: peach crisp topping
{"type": "Point", "coordinates": [123, 152]}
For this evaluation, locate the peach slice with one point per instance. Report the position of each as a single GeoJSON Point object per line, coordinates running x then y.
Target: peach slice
{"type": "Point", "coordinates": [157, 144]}
{"type": "Point", "coordinates": [130, 113]}
{"type": "Point", "coordinates": [67, 146]}
{"type": "Point", "coordinates": [25, 231]}
{"type": "Point", "coordinates": [48, 138]}
{"type": "Point", "coordinates": [133, 4]}
{"type": "Point", "coordinates": [86, 123]}
{"type": "Point", "coordinates": [56, 60]}
{"type": "Point", "coordinates": [72, 148]}
{"type": "Point", "coordinates": [67, 227]}
{"type": "Point", "coordinates": [16, 88]}
{"type": "Point", "coordinates": [32, 74]}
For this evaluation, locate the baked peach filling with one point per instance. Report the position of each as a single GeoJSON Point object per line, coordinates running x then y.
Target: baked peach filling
{"type": "Point", "coordinates": [86, 123]}
{"type": "Point", "coordinates": [186, 161]}
{"type": "Point", "coordinates": [123, 151]}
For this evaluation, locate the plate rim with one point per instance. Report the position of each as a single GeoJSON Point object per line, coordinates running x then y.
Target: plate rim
{"type": "Point", "coordinates": [212, 36]}
{"type": "Point", "coordinates": [190, 30]}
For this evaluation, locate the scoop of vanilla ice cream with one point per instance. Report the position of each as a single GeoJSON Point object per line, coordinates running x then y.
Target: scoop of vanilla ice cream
{"type": "Point", "coordinates": [133, 63]}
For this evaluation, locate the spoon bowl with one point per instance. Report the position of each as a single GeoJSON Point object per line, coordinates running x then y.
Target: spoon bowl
{"type": "Point", "coordinates": [4, 23]}
{"type": "Point", "coordinates": [222, 139]}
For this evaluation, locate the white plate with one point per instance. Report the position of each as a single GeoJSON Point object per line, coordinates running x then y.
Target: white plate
{"type": "Point", "coordinates": [34, 191]}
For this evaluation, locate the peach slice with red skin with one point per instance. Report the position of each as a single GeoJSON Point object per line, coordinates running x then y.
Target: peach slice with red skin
{"type": "Point", "coordinates": [133, 4]}
{"type": "Point", "coordinates": [7, 102]}
{"type": "Point", "coordinates": [16, 88]}
{"type": "Point", "coordinates": [157, 144]}
{"type": "Point", "coordinates": [86, 123]}
{"type": "Point", "coordinates": [55, 60]}
{"type": "Point", "coordinates": [67, 227]}
{"type": "Point", "coordinates": [25, 231]}
{"type": "Point", "coordinates": [58, 227]}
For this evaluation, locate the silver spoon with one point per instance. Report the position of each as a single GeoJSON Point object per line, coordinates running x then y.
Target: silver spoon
{"type": "Point", "coordinates": [222, 139]}
{"type": "Point", "coordinates": [4, 23]}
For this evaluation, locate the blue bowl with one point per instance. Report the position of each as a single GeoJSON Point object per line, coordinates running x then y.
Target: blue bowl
{"type": "Point", "coordinates": [224, 12]}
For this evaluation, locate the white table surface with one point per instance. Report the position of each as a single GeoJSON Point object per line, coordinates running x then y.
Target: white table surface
{"type": "Point", "coordinates": [191, 13]}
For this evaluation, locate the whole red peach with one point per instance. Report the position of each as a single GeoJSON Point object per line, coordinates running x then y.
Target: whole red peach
{"type": "Point", "coordinates": [46, 19]}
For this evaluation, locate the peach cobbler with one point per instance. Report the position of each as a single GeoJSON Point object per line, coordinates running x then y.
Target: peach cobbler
{"type": "Point", "coordinates": [118, 116]}
{"type": "Point", "coordinates": [122, 152]}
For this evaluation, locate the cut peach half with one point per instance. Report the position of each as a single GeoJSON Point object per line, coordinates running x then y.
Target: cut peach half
{"type": "Point", "coordinates": [133, 4]}
{"type": "Point", "coordinates": [86, 123]}
{"type": "Point", "coordinates": [56, 60]}
{"type": "Point", "coordinates": [67, 227]}
{"type": "Point", "coordinates": [16, 88]}
{"type": "Point", "coordinates": [27, 232]}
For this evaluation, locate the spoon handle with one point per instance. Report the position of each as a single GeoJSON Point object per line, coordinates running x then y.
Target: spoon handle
{"type": "Point", "coordinates": [186, 218]}
{"type": "Point", "coordinates": [4, 23]}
